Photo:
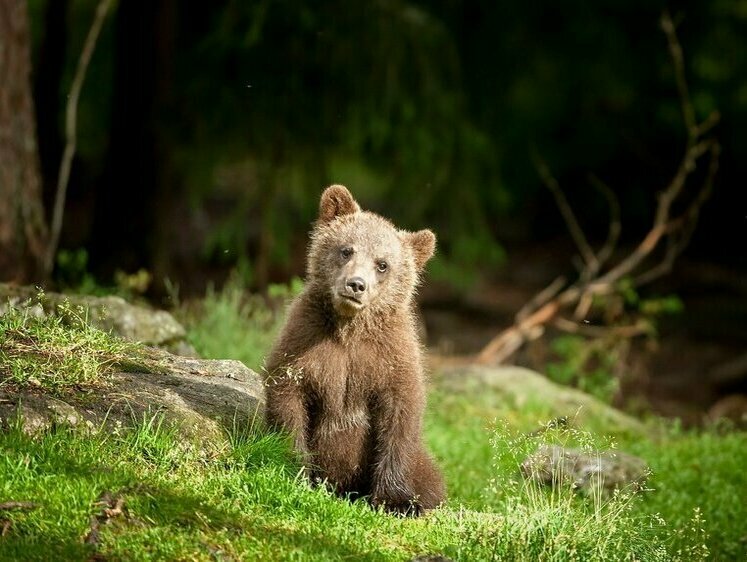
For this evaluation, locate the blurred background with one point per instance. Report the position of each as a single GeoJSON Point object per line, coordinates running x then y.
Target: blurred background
{"type": "Point", "coordinates": [207, 130]}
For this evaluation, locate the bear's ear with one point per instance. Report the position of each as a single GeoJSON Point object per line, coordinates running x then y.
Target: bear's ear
{"type": "Point", "coordinates": [336, 201]}
{"type": "Point", "coordinates": [423, 244]}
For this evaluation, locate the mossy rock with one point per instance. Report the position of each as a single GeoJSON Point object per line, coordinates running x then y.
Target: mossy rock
{"type": "Point", "coordinates": [508, 387]}
{"type": "Point", "coordinates": [203, 399]}
{"type": "Point", "coordinates": [110, 314]}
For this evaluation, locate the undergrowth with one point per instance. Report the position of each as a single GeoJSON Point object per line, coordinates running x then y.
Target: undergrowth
{"type": "Point", "coordinates": [56, 351]}
{"type": "Point", "coordinates": [233, 323]}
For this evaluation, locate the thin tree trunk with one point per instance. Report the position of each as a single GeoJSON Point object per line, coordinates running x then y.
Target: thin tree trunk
{"type": "Point", "coordinates": [23, 231]}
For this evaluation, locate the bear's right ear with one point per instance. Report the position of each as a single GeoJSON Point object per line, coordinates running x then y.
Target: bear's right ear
{"type": "Point", "coordinates": [336, 201]}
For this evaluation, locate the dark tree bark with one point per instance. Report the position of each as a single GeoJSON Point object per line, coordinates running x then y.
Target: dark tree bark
{"type": "Point", "coordinates": [23, 231]}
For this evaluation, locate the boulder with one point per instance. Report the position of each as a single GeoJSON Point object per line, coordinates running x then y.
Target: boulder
{"type": "Point", "coordinates": [201, 398]}
{"type": "Point", "coordinates": [589, 472]}
{"type": "Point", "coordinates": [109, 313]}
{"type": "Point", "coordinates": [510, 387]}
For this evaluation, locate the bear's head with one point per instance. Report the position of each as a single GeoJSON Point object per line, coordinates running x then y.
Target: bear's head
{"type": "Point", "coordinates": [360, 259]}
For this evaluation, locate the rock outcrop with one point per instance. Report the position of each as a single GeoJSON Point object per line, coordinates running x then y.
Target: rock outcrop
{"type": "Point", "coordinates": [201, 398]}
{"type": "Point", "coordinates": [109, 313]}
{"type": "Point", "coordinates": [589, 472]}
{"type": "Point", "coordinates": [517, 388]}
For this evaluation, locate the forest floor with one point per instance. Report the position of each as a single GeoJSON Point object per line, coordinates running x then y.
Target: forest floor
{"type": "Point", "coordinates": [697, 359]}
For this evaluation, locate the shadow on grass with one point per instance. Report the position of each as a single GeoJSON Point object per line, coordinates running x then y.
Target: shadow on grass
{"type": "Point", "coordinates": [153, 510]}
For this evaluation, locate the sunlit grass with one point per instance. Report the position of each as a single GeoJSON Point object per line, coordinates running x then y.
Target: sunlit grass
{"type": "Point", "coordinates": [232, 323]}
{"type": "Point", "coordinates": [248, 502]}
{"type": "Point", "coordinates": [56, 351]}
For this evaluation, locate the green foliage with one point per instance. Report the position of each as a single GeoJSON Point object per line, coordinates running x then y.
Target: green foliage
{"type": "Point", "coordinates": [234, 324]}
{"type": "Point", "coordinates": [72, 272]}
{"type": "Point", "coordinates": [586, 364]}
{"type": "Point", "coordinates": [56, 351]}
{"type": "Point", "coordinates": [73, 275]}
{"type": "Point", "coordinates": [595, 364]}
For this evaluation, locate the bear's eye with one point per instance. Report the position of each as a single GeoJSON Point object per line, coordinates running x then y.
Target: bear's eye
{"type": "Point", "coordinates": [346, 252]}
{"type": "Point", "coordinates": [382, 266]}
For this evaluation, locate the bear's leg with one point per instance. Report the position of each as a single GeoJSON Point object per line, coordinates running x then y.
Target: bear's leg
{"type": "Point", "coordinates": [339, 456]}
{"type": "Point", "coordinates": [427, 482]}
{"type": "Point", "coordinates": [286, 412]}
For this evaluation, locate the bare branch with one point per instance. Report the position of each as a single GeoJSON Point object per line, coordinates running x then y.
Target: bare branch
{"type": "Point", "coordinates": [71, 118]}
{"type": "Point", "coordinates": [7, 506]}
{"type": "Point", "coordinates": [683, 227]}
{"type": "Point", "coordinates": [710, 122]}
{"type": "Point", "coordinates": [637, 329]}
{"type": "Point", "coordinates": [541, 298]}
{"type": "Point", "coordinates": [615, 227]}
{"type": "Point", "coordinates": [662, 225]}
{"type": "Point", "coordinates": [675, 51]}
{"type": "Point", "coordinates": [546, 307]}
{"type": "Point", "coordinates": [568, 216]}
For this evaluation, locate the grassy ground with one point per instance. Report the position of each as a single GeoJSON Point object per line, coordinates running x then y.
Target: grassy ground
{"type": "Point", "coordinates": [144, 494]}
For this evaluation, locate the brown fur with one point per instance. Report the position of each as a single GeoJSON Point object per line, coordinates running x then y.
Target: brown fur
{"type": "Point", "coordinates": [345, 377]}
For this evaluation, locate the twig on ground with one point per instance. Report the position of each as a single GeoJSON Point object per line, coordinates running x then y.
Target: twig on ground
{"type": "Point", "coordinates": [8, 506]}
{"type": "Point", "coordinates": [112, 506]}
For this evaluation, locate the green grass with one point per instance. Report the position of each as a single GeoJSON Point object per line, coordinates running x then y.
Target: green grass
{"type": "Point", "coordinates": [233, 324]}
{"type": "Point", "coordinates": [56, 351]}
{"type": "Point", "coordinates": [247, 502]}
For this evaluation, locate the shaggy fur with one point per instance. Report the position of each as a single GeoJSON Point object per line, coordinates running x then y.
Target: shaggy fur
{"type": "Point", "coordinates": [345, 377]}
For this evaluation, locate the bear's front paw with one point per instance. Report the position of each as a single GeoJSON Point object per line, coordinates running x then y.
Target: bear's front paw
{"type": "Point", "coordinates": [399, 501]}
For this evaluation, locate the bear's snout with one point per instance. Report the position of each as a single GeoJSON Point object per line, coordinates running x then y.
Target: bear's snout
{"type": "Point", "coordinates": [356, 284]}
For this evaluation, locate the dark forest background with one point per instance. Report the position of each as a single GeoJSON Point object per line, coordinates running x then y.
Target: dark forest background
{"type": "Point", "coordinates": [206, 132]}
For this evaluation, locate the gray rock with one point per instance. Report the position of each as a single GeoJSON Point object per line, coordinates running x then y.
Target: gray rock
{"type": "Point", "coordinates": [201, 398]}
{"type": "Point", "coordinates": [589, 472]}
{"type": "Point", "coordinates": [516, 387]}
{"type": "Point", "coordinates": [110, 314]}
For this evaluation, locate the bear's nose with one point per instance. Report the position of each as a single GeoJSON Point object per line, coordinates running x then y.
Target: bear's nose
{"type": "Point", "coordinates": [356, 284]}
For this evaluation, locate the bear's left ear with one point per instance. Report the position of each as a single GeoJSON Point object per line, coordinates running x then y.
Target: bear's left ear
{"type": "Point", "coordinates": [336, 201]}
{"type": "Point", "coordinates": [423, 244]}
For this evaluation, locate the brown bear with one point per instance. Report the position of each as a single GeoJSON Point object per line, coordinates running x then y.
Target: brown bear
{"type": "Point", "coordinates": [345, 376]}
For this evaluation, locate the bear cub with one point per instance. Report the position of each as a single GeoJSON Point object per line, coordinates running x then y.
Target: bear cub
{"type": "Point", "coordinates": [345, 376]}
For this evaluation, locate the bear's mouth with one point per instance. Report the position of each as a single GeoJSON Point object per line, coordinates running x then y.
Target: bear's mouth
{"type": "Point", "coordinates": [352, 299]}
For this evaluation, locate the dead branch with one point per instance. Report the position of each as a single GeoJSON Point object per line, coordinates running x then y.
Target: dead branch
{"type": "Point", "coordinates": [8, 506]}
{"type": "Point", "coordinates": [615, 227]}
{"type": "Point", "coordinates": [631, 331]}
{"type": "Point", "coordinates": [111, 506]}
{"type": "Point", "coordinates": [545, 308]}
{"type": "Point", "coordinates": [566, 211]}
{"type": "Point", "coordinates": [71, 121]}
{"type": "Point", "coordinates": [541, 298]}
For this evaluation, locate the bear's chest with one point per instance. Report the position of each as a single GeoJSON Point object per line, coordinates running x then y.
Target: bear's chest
{"type": "Point", "coordinates": [346, 377]}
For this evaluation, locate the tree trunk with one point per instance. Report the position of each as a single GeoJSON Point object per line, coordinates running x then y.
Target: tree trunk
{"type": "Point", "coordinates": [23, 231]}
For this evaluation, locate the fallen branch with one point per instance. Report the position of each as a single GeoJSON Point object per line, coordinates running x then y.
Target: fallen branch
{"type": "Point", "coordinates": [546, 307]}
{"type": "Point", "coordinates": [111, 506]}
{"type": "Point", "coordinates": [8, 506]}
{"type": "Point", "coordinates": [6, 524]}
